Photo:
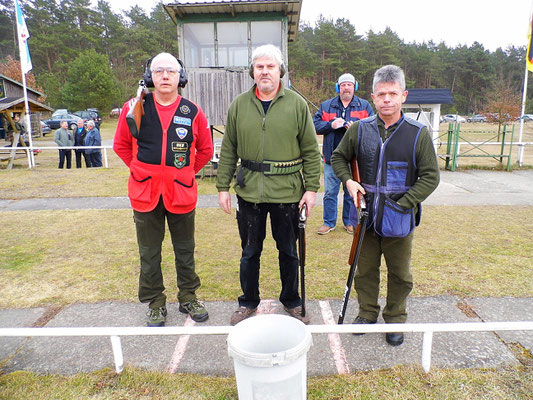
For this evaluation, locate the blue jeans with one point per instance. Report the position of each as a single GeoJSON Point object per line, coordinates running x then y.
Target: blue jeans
{"type": "Point", "coordinates": [331, 191]}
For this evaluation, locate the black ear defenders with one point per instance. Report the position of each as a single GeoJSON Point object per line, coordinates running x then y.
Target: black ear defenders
{"type": "Point", "coordinates": [148, 74]}
{"type": "Point", "coordinates": [338, 88]}
{"type": "Point", "coordinates": [281, 69]}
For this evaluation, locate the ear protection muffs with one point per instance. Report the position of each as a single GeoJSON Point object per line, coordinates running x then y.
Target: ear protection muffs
{"type": "Point", "coordinates": [338, 88]}
{"type": "Point", "coordinates": [148, 74]}
{"type": "Point", "coordinates": [281, 69]}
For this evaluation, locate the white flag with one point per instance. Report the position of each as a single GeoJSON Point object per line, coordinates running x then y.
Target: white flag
{"type": "Point", "coordinates": [24, 35]}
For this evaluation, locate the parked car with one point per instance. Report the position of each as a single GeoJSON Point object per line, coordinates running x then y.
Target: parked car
{"type": "Point", "coordinates": [87, 115]}
{"type": "Point", "coordinates": [115, 112]}
{"type": "Point", "coordinates": [453, 118]}
{"type": "Point", "coordinates": [60, 111]}
{"type": "Point", "coordinates": [97, 112]}
{"type": "Point", "coordinates": [477, 118]}
{"type": "Point", "coordinates": [55, 121]}
{"type": "Point", "coordinates": [526, 117]}
{"type": "Point", "coordinates": [45, 129]}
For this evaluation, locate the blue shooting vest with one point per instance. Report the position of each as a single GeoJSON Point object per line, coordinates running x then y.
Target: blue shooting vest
{"type": "Point", "coordinates": [388, 169]}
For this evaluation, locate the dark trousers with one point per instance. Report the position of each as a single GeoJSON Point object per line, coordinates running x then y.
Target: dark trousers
{"type": "Point", "coordinates": [397, 253]}
{"type": "Point", "coordinates": [95, 159]}
{"type": "Point", "coordinates": [65, 154]}
{"type": "Point", "coordinates": [79, 154]}
{"type": "Point", "coordinates": [251, 219]}
{"type": "Point", "coordinates": [150, 228]}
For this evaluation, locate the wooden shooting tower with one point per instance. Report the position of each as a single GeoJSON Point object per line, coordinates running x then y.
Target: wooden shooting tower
{"type": "Point", "coordinates": [216, 40]}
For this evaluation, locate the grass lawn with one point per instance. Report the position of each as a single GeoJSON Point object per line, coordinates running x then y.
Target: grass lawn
{"type": "Point", "coordinates": [56, 258]}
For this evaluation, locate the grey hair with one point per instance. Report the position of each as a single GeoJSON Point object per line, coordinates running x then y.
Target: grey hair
{"type": "Point", "coordinates": [90, 123]}
{"type": "Point", "coordinates": [390, 74]}
{"type": "Point", "coordinates": [269, 51]}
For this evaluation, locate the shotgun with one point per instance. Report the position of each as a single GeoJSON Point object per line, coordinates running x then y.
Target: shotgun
{"type": "Point", "coordinates": [362, 216]}
{"type": "Point", "coordinates": [301, 254]}
{"type": "Point", "coordinates": [136, 111]}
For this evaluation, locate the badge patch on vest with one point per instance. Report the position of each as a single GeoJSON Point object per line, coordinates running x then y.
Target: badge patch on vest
{"type": "Point", "coordinates": [180, 147]}
{"type": "Point", "coordinates": [185, 109]}
{"type": "Point", "coordinates": [182, 132]}
{"type": "Point", "coordinates": [182, 121]}
{"type": "Point", "coordinates": [180, 153]}
{"type": "Point", "coordinates": [180, 160]}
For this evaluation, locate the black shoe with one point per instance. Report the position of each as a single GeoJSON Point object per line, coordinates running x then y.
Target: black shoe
{"type": "Point", "coordinates": [394, 338]}
{"type": "Point", "coordinates": [361, 320]}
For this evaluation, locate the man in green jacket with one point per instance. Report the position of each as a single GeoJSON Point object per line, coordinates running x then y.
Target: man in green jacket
{"type": "Point", "coordinates": [270, 129]}
{"type": "Point", "coordinates": [399, 169]}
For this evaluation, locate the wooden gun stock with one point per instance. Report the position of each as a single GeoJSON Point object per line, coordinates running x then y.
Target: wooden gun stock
{"type": "Point", "coordinates": [356, 177]}
{"type": "Point", "coordinates": [136, 111]}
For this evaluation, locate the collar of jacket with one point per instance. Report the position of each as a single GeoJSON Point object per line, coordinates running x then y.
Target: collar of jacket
{"type": "Point", "coordinates": [280, 93]}
{"type": "Point", "coordinates": [355, 102]}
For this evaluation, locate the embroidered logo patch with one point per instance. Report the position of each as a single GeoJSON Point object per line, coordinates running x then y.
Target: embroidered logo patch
{"type": "Point", "coordinates": [185, 109]}
{"type": "Point", "coordinates": [182, 132]}
{"type": "Point", "coordinates": [180, 147]}
{"type": "Point", "coordinates": [182, 121]}
{"type": "Point", "coordinates": [180, 160]}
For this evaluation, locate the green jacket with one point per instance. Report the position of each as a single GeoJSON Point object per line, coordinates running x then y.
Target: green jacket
{"type": "Point", "coordinates": [285, 133]}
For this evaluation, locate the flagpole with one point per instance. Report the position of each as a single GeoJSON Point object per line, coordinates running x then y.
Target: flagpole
{"type": "Point", "coordinates": [524, 91]}
{"type": "Point", "coordinates": [25, 67]}
{"type": "Point", "coordinates": [28, 121]}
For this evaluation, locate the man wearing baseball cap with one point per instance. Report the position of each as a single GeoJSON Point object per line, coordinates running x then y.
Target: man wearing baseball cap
{"type": "Point", "coordinates": [332, 120]}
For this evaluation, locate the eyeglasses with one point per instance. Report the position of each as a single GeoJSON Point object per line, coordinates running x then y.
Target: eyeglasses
{"type": "Point", "coordinates": [171, 71]}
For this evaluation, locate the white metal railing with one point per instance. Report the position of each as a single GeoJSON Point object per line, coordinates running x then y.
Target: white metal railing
{"type": "Point", "coordinates": [427, 329]}
{"type": "Point", "coordinates": [20, 149]}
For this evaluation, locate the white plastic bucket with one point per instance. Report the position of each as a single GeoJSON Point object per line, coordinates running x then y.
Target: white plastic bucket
{"type": "Point", "coordinates": [270, 357]}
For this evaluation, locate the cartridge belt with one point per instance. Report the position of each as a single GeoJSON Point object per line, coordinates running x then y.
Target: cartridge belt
{"type": "Point", "coordinates": [270, 168]}
{"type": "Point", "coordinates": [274, 167]}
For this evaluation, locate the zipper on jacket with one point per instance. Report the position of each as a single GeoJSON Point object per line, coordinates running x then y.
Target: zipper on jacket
{"type": "Point", "coordinates": [163, 159]}
{"type": "Point", "coordinates": [263, 129]}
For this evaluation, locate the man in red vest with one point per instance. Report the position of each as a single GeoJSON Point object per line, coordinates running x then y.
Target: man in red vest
{"type": "Point", "coordinates": [173, 144]}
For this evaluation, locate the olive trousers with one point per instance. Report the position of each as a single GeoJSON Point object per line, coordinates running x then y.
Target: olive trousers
{"type": "Point", "coordinates": [150, 228]}
{"type": "Point", "coordinates": [397, 254]}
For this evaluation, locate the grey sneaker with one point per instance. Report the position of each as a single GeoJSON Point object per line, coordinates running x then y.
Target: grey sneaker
{"type": "Point", "coordinates": [296, 312]}
{"type": "Point", "coordinates": [241, 314]}
{"type": "Point", "coordinates": [156, 316]}
{"type": "Point", "coordinates": [195, 309]}
{"type": "Point", "coordinates": [361, 320]}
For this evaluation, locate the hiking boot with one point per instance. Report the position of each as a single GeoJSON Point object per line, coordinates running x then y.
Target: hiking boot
{"type": "Point", "coordinates": [296, 312]}
{"type": "Point", "coordinates": [324, 230]}
{"type": "Point", "coordinates": [349, 229]}
{"type": "Point", "coordinates": [241, 314]}
{"type": "Point", "coordinates": [156, 316]}
{"type": "Point", "coordinates": [394, 338]}
{"type": "Point", "coordinates": [195, 309]}
{"type": "Point", "coordinates": [361, 320]}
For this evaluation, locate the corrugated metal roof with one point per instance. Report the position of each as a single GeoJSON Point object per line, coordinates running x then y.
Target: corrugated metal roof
{"type": "Point", "coordinates": [9, 102]}
{"type": "Point", "coordinates": [290, 8]}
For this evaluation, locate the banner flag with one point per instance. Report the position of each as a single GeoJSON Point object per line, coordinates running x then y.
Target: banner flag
{"type": "Point", "coordinates": [23, 36]}
{"type": "Point", "coordinates": [529, 53]}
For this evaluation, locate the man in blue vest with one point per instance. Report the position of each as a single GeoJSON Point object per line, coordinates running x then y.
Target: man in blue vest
{"type": "Point", "coordinates": [335, 116]}
{"type": "Point", "coordinates": [399, 170]}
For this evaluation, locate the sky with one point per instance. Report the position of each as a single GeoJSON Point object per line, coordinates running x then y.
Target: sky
{"type": "Point", "coordinates": [456, 22]}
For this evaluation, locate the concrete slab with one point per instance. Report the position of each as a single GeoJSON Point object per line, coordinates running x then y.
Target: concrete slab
{"type": "Point", "coordinates": [507, 309]}
{"type": "Point", "coordinates": [16, 318]}
{"type": "Point", "coordinates": [450, 350]}
{"type": "Point", "coordinates": [207, 354]}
